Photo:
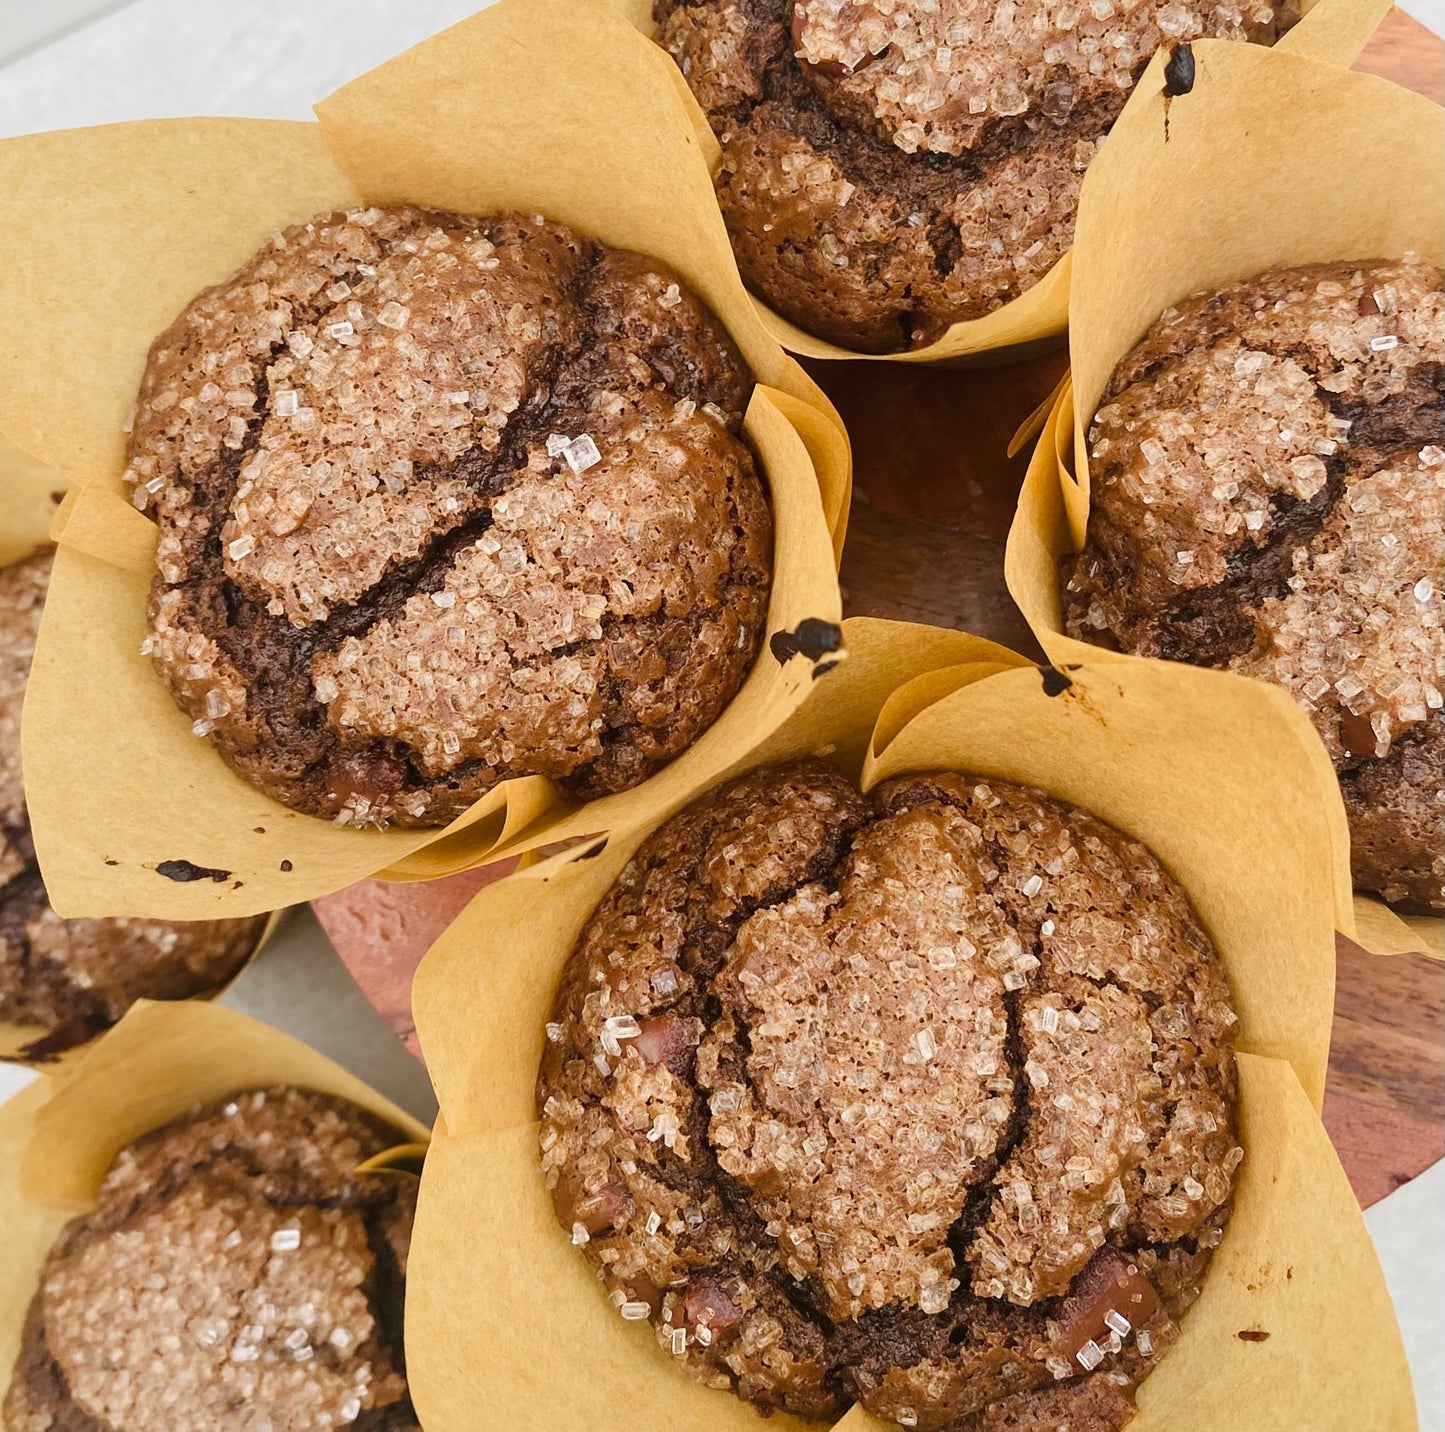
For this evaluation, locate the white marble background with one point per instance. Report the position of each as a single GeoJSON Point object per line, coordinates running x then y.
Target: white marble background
{"type": "Point", "coordinates": [90, 62]}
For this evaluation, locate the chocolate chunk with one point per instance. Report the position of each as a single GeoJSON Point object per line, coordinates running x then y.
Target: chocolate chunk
{"type": "Point", "coordinates": [1179, 72]}
{"type": "Point", "coordinates": [1357, 736]}
{"type": "Point", "coordinates": [374, 776]}
{"type": "Point", "coordinates": [707, 1304]}
{"type": "Point", "coordinates": [185, 871]}
{"type": "Point", "coordinates": [812, 638]}
{"type": "Point", "coordinates": [666, 1039]}
{"type": "Point", "coordinates": [1252, 1335]}
{"type": "Point", "coordinates": [1110, 1292]}
{"type": "Point", "coordinates": [606, 1208]}
{"type": "Point", "coordinates": [1055, 682]}
{"type": "Point", "coordinates": [639, 1288]}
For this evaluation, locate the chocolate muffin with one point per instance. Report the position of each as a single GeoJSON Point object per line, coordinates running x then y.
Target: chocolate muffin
{"type": "Point", "coordinates": [75, 978]}
{"type": "Point", "coordinates": [1267, 481]}
{"type": "Point", "coordinates": [922, 1099]}
{"type": "Point", "coordinates": [891, 167]}
{"type": "Point", "coordinates": [235, 1273]}
{"type": "Point", "coordinates": [445, 500]}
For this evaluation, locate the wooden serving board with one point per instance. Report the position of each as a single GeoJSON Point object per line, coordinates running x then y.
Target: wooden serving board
{"type": "Point", "coordinates": [933, 499]}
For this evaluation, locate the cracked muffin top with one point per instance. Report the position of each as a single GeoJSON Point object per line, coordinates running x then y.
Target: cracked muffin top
{"type": "Point", "coordinates": [445, 500]}
{"type": "Point", "coordinates": [236, 1273]}
{"type": "Point", "coordinates": [75, 978]}
{"type": "Point", "coordinates": [891, 167]}
{"type": "Point", "coordinates": [1267, 480]}
{"type": "Point", "coordinates": [922, 1099]}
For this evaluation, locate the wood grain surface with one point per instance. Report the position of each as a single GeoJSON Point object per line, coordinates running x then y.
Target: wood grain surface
{"type": "Point", "coordinates": [934, 495]}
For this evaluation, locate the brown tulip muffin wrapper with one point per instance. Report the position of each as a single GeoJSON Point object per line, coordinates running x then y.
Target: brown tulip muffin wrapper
{"type": "Point", "coordinates": [1332, 31]}
{"type": "Point", "coordinates": [530, 105]}
{"type": "Point", "coordinates": [59, 1135]}
{"type": "Point", "coordinates": [509, 1327]}
{"type": "Point", "coordinates": [1269, 160]}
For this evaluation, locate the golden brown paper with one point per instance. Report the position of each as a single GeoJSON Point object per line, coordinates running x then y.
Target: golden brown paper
{"type": "Point", "coordinates": [1332, 31]}
{"type": "Point", "coordinates": [1270, 160]}
{"type": "Point", "coordinates": [59, 1136]}
{"type": "Point", "coordinates": [496, 1284]}
{"type": "Point", "coordinates": [111, 231]}
{"type": "Point", "coordinates": [112, 770]}
{"type": "Point", "coordinates": [1379, 929]}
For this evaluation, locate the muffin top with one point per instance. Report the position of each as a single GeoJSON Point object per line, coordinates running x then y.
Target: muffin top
{"type": "Point", "coordinates": [922, 1099]}
{"type": "Point", "coordinates": [235, 1273]}
{"type": "Point", "coordinates": [75, 978]}
{"type": "Point", "coordinates": [1267, 479]}
{"type": "Point", "coordinates": [445, 500]}
{"type": "Point", "coordinates": [891, 167]}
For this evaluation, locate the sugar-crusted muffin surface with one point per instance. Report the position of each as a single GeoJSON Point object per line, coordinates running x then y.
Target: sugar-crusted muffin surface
{"type": "Point", "coordinates": [1267, 485]}
{"type": "Point", "coordinates": [446, 500]}
{"type": "Point", "coordinates": [236, 1273]}
{"type": "Point", "coordinates": [893, 1099]}
{"type": "Point", "coordinates": [891, 167]}
{"type": "Point", "coordinates": [75, 978]}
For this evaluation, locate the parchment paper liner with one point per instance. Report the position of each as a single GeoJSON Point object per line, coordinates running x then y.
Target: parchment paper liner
{"type": "Point", "coordinates": [1333, 31]}
{"type": "Point", "coordinates": [27, 506]}
{"type": "Point", "coordinates": [504, 1315]}
{"type": "Point", "coordinates": [571, 120]}
{"type": "Point", "coordinates": [30, 492]}
{"type": "Point", "coordinates": [59, 1135]}
{"type": "Point", "coordinates": [1270, 160]}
